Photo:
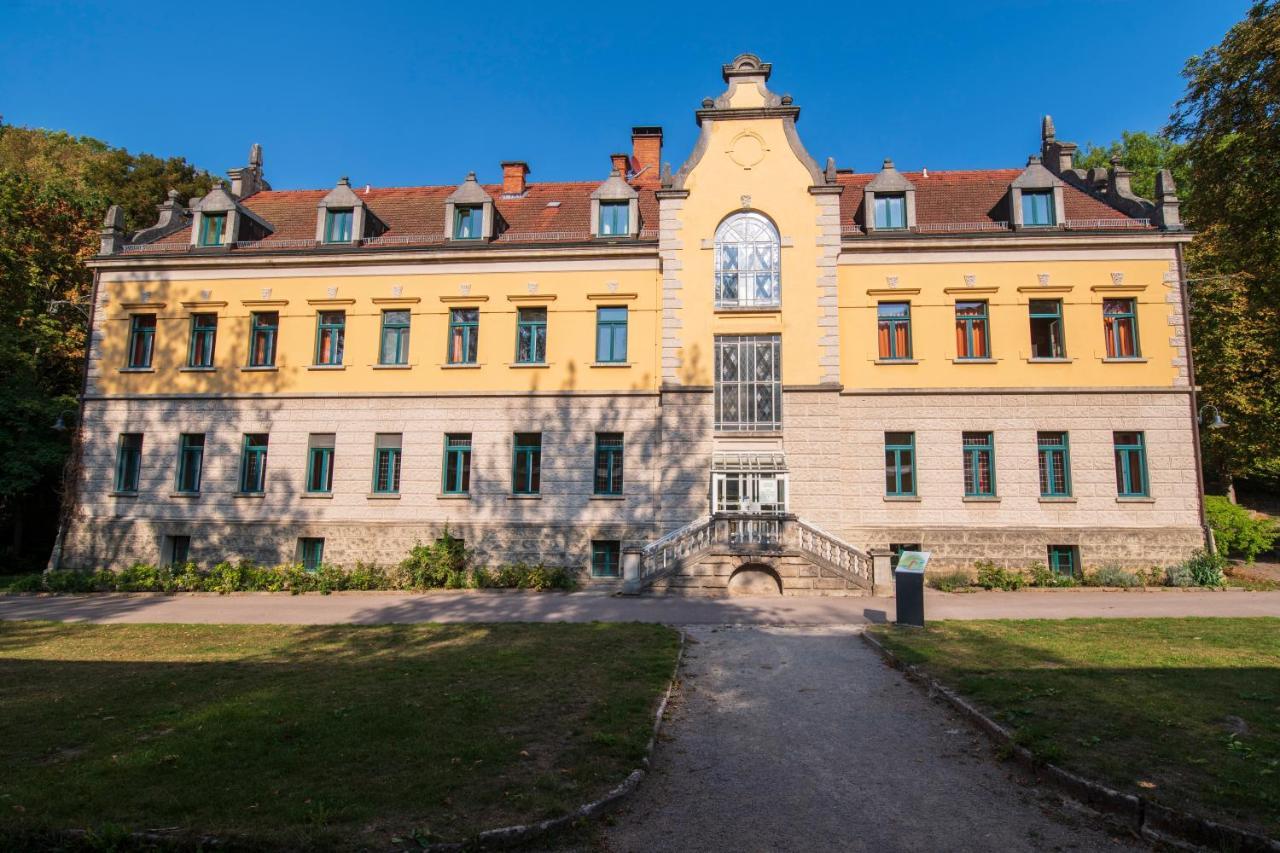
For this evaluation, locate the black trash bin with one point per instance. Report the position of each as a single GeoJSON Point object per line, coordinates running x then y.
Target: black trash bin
{"type": "Point", "coordinates": [909, 591]}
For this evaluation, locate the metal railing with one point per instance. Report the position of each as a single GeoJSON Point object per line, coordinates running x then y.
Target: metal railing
{"type": "Point", "coordinates": [1095, 224]}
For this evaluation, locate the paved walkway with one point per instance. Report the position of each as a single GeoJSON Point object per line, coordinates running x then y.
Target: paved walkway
{"type": "Point", "coordinates": [382, 607]}
{"type": "Point", "coordinates": [802, 739]}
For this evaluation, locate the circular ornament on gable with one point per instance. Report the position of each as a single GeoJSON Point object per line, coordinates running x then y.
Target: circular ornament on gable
{"type": "Point", "coordinates": [747, 149]}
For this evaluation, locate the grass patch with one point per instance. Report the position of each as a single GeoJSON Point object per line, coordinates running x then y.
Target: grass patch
{"type": "Point", "coordinates": [1185, 711]}
{"type": "Point", "coordinates": [319, 737]}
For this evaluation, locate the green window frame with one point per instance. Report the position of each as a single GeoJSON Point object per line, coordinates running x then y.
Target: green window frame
{"type": "Point", "coordinates": [331, 333]}
{"type": "Point", "coordinates": [179, 550]}
{"type": "Point", "coordinates": [468, 222]}
{"type": "Point", "coordinates": [190, 463]}
{"type": "Point", "coordinates": [204, 336]}
{"type": "Point", "coordinates": [337, 225]}
{"type": "Point", "coordinates": [979, 464]}
{"type": "Point", "coordinates": [213, 228]}
{"type": "Point", "coordinates": [1120, 326]}
{"type": "Point", "coordinates": [142, 340]}
{"type": "Point", "coordinates": [1131, 464]}
{"type": "Point", "coordinates": [526, 463]}
{"type": "Point", "coordinates": [893, 320]}
{"type": "Point", "coordinates": [387, 457]}
{"type": "Point", "coordinates": [1048, 331]}
{"type": "Point", "coordinates": [464, 335]}
{"type": "Point", "coordinates": [311, 553]}
{"type": "Point", "coordinates": [531, 336]}
{"type": "Point", "coordinates": [900, 464]}
{"type": "Point", "coordinates": [253, 464]}
{"type": "Point", "coordinates": [890, 211]}
{"type": "Point", "coordinates": [606, 558]}
{"type": "Point", "coordinates": [128, 462]}
{"type": "Point", "coordinates": [394, 342]}
{"type": "Point", "coordinates": [263, 331]}
{"type": "Point", "coordinates": [457, 464]}
{"type": "Point", "coordinates": [611, 334]}
{"type": "Point", "coordinates": [1054, 461]}
{"type": "Point", "coordinates": [973, 330]}
{"type": "Point", "coordinates": [1038, 208]}
{"type": "Point", "coordinates": [320, 447]}
{"type": "Point", "coordinates": [1063, 560]}
{"type": "Point", "coordinates": [609, 463]}
{"type": "Point", "coordinates": [615, 219]}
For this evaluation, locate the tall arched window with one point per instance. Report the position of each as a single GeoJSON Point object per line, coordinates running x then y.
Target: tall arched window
{"type": "Point", "coordinates": [747, 262]}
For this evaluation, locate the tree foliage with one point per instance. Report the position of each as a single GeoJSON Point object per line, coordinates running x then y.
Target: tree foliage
{"type": "Point", "coordinates": [1144, 154]}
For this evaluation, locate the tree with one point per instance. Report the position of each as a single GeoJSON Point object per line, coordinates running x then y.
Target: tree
{"type": "Point", "coordinates": [1144, 154]}
{"type": "Point", "coordinates": [1229, 123]}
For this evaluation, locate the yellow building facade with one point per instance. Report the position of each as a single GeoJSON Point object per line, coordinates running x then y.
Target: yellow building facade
{"type": "Point", "coordinates": [751, 372]}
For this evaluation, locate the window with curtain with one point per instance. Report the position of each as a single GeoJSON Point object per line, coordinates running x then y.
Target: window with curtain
{"type": "Point", "coordinates": [1047, 338]}
{"type": "Point", "coordinates": [972, 330]}
{"type": "Point", "coordinates": [337, 226]}
{"type": "Point", "coordinates": [212, 229]}
{"type": "Point", "coordinates": [1131, 464]}
{"type": "Point", "coordinates": [190, 463]}
{"type": "Point", "coordinates": [394, 347]}
{"type": "Point", "coordinates": [531, 335]}
{"type": "Point", "coordinates": [614, 218]}
{"type": "Point", "coordinates": [467, 222]}
{"type": "Point", "coordinates": [894, 330]}
{"type": "Point", "coordinates": [979, 464]}
{"type": "Point", "coordinates": [748, 260]}
{"type": "Point", "coordinates": [1037, 207]}
{"type": "Point", "coordinates": [331, 333]}
{"type": "Point", "coordinates": [129, 462]}
{"type": "Point", "coordinates": [142, 340]}
{"type": "Point", "coordinates": [262, 339]}
{"type": "Point", "coordinates": [204, 333]}
{"type": "Point", "coordinates": [320, 463]}
{"type": "Point", "coordinates": [1120, 324]}
{"type": "Point", "coordinates": [464, 335]}
{"type": "Point", "coordinates": [890, 212]}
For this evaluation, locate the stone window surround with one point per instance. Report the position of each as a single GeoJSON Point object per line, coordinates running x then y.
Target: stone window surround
{"type": "Point", "coordinates": [889, 181]}
{"type": "Point", "coordinates": [1035, 177]}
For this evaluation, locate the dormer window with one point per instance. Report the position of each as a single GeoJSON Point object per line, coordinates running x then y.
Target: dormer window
{"type": "Point", "coordinates": [891, 211]}
{"type": "Point", "coordinates": [212, 228]}
{"type": "Point", "coordinates": [468, 222]}
{"type": "Point", "coordinates": [1037, 208]}
{"type": "Point", "coordinates": [614, 218]}
{"type": "Point", "coordinates": [337, 226]}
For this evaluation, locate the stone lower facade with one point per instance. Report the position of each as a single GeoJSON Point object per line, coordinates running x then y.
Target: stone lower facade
{"type": "Point", "coordinates": [832, 440]}
{"type": "Point", "coordinates": [756, 575]}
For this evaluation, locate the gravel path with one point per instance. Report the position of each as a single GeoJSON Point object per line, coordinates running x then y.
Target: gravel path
{"type": "Point", "coordinates": [802, 739]}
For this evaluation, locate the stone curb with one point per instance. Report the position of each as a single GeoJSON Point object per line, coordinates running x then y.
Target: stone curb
{"type": "Point", "coordinates": [1140, 815]}
{"type": "Point", "coordinates": [509, 836]}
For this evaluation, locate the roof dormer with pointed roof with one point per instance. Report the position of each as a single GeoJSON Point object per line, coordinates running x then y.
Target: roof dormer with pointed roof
{"type": "Point", "coordinates": [469, 194]}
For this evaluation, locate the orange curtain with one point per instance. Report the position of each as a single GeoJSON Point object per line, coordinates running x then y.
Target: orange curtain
{"type": "Point", "coordinates": [884, 340]}
{"type": "Point", "coordinates": [900, 339]}
{"type": "Point", "coordinates": [962, 344]}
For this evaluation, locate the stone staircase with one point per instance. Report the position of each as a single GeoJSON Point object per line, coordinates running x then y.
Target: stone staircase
{"type": "Point", "coordinates": [751, 554]}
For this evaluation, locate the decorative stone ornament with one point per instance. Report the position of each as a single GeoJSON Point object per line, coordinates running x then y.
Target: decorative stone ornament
{"type": "Point", "coordinates": [206, 295]}
{"type": "Point", "coordinates": [612, 286]}
{"type": "Point", "coordinates": [397, 290]}
{"type": "Point", "coordinates": [533, 286]}
{"type": "Point", "coordinates": [1117, 278]}
{"type": "Point", "coordinates": [464, 289]}
{"type": "Point", "coordinates": [332, 291]}
{"type": "Point", "coordinates": [970, 280]}
{"type": "Point", "coordinates": [747, 149]}
{"type": "Point", "coordinates": [266, 293]}
{"type": "Point", "coordinates": [1043, 278]}
{"type": "Point", "coordinates": [892, 281]}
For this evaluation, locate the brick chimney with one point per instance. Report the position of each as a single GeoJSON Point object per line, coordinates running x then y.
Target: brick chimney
{"type": "Point", "coordinates": [515, 174]}
{"type": "Point", "coordinates": [646, 154]}
{"type": "Point", "coordinates": [621, 163]}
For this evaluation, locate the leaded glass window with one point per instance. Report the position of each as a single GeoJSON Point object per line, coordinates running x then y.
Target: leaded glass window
{"type": "Point", "coordinates": [747, 262]}
{"type": "Point", "coordinates": [748, 383]}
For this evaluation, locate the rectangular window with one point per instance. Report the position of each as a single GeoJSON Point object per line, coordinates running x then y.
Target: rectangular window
{"type": "Point", "coordinates": [262, 338]}
{"type": "Point", "coordinates": [606, 558]}
{"type": "Point", "coordinates": [1047, 338]}
{"type": "Point", "coordinates": [331, 332]}
{"type": "Point", "coordinates": [320, 463]}
{"type": "Point", "coordinates": [973, 332]}
{"type": "Point", "coordinates": [531, 335]}
{"type": "Point", "coordinates": [1055, 464]}
{"type": "Point", "coordinates": [891, 212]}
{"type": "Point", "coordinates": [337, 226]}
{"type": "Point", "coordinates": [179, 550]}
{"type": "Point", "coordinates": [1037, 207]}
{"type": "Point", "coordinates": [608, 463]}
{"type": "Point", "coordinates": [1120, 324]}
{"type": "Point", "coordinates": [979, 464]}
{"type": "Point", "coordinates": [386, 464]}
{"type": "Point", "coordinates": [311, 553]}
{"type": "Point", "coordinates": [457, 464]}
{"type": "Point", "coordinates": [748, 383]}
{"type": "Point", "coordinates": [526, 469]}
{"type": "Point", "coordinates": [749, 485]}
{"type": "Point", "coordinates": [467, 222]}
{"type": "Point", "coordinates": [129, 462]}
{"type": "Point", "coordinates": [190, 463]}
{"type": "Point", "coordinates": [894, 319]}
{"type": "Point", "coordinates": [464, 334]}
{"type": "Point", "coordinates": [142, 339]}
{"type": "Point", "coordinates": [1062, 560]}
{"type": "Point", "coordinates": [611, 335]}
{"type": "Point", "coordinates": [395, 338]}
{"type": "Point", "coordinates": [1131, 464]}
{"type": "Point", "coordinates": [615, 218]}
{"type": "Point", "coordinates": [253, 464]}
{"type": "Point", "coordinates": [212, 229]}
{"type": "Point", "coordinates": [204, 334]}
{"type": "Point", "coordinates": [900, 464]}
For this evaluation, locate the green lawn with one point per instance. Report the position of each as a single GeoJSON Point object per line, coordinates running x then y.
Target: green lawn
{"type": "Point", "coordinates": [1184, 711]}
{"type": "Point", "coordinates": [319, 737]}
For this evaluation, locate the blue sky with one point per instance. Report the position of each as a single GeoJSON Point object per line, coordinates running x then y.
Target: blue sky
{"type": "Point", "coordinates": [417, 93]}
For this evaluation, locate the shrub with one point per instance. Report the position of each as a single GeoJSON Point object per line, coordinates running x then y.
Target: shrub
{"type": "Point", "coordinates": [1238, 531]}
{"type": "Point", "coordinates": [367, 576]}
{"type": "Point", "coordinates": [27, 583]}
{"type": "Point", "coordinates": [1179, 575]}
{"type": "Point", "coordinates": [991, 576]}
{"type": "Point", "coordinates": [140, 577]}
{"type": "Point", "coordinates": [950, 582]}
{"type": "Point", "coordinates": [1043, 576]}
{"type": "Point", "coordinates": [1113, 575]}
{"type": "Point", "coordinates": [1205, 568]}
{"type": "Point", "coordinates": [524, 576]}
{"type": "Point", "coordinates": [440, 564]}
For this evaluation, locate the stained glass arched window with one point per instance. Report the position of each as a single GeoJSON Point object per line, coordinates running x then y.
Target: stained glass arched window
{"type": "Point", "coordinates": [747, 262]}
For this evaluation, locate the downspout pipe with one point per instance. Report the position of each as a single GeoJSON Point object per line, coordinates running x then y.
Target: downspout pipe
{"type": "Point", "coordinates": [1194, 400]}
